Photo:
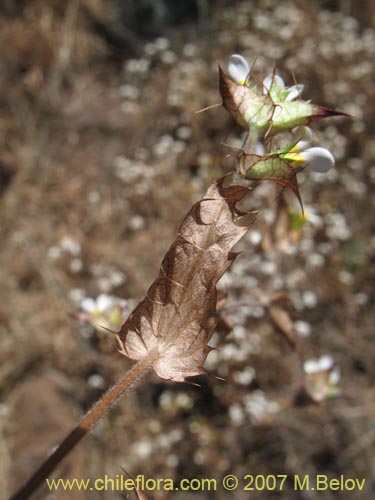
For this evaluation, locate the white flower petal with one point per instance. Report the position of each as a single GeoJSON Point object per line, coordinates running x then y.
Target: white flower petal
{"type": "Point", "coordinates": [318, 159]}
{"type": "Point", "coordinates": [273, 79]}
{"type": "Point", "coordinates": [304, 137]}
{"type": "Point", "coordinates": [294, 92]}
{"type": "Point", "coordinates": [238, 69]}
{"type": "Point", "coordinates": [88, 305]}
{"type": "Point", "coordinates": [267, 83]}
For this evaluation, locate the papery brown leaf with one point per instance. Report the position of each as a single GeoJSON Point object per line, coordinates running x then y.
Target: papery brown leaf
{"type": "Point", "coordinates": [177, 316]}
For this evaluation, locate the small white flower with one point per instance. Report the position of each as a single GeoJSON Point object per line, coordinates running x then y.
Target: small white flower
{"type": "Point", "coordinates": [54, 252]}
{"type": "Point", "coordinates": [302, 328]}
{"type": "Point", "coordinates": [96, 381]}
{"type": "Point", "coordinates": [316, 159]}
{"type": "Point", "coordinates": [311, 215]}
{"type": "Point", "coordinates": [238, 69]}
{"type": "Point", "coordinates": [309, 298]}
{"type": "Point", "coordinates": [129, 92]}
{"type": "Point", "coordinates": [321, 364]}
{"type": "Point", "coordinates": [142, 449]}
{"type": "Point", "coordinates": [236, 414]}
{"type": "Point", "coordinates": [274, 85]}
{"type": "Point", "coordinates": [104, 302]}
{"type": "Point", "coordinates": [322, 378]}
{"type": "Point", "coordinates": [245, 376]}
{"type": "Point", "coordinates": [255, 237]}
{"type": "Point", "coordinates": [77, 295]}
{"type": "Point", "coordinates": [76, 265]}
{"type": "Point", "coordinates": [70, 245]}
{"type": "Point", "coordinates": [162, 43]}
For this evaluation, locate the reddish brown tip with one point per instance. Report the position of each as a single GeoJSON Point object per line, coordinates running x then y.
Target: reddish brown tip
{"type": "Point", "coordinates": [323, 112]}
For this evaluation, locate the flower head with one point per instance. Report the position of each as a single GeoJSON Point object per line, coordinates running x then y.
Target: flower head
{"type": "Point", "coordinates": [270, 110]}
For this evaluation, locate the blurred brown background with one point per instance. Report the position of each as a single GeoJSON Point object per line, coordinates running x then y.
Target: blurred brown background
{"type": "Point", "coordinates": [101, 156]}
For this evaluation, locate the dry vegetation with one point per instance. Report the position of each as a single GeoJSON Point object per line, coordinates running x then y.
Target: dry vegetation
{"type": "Point", "coordinates": [101, 156]}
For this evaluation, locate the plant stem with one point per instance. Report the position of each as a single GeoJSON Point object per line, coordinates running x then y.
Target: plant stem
{"type": "Point", "coordinates": [88, 421]}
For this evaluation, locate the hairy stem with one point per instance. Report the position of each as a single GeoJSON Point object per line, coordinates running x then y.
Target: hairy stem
{"type": "Point", "coordinates": [88, 421]}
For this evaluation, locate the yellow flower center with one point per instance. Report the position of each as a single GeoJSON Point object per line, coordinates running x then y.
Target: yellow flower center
{"type": "Point", "coordinates": [294, 157]}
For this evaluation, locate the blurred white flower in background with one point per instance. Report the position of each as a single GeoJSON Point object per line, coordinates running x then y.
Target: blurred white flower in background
{"type": "Point", "coordinates": [322, 377]}
{"type": "Point", "coordinates": [106, 311]}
